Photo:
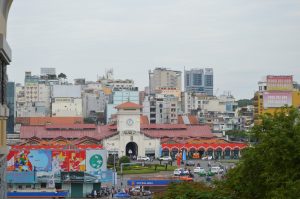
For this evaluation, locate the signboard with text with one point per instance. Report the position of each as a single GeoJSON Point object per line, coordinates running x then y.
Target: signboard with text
{"type": "Point", "coordinates": [277, 99]}
{"type": "Point", "coordinates": [279, 83]}
{"type": "Point", "coordinates": [20, 177]}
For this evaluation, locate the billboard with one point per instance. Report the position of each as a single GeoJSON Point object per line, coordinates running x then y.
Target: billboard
{"type": "Point", "coordinates": [277, 99]}
{"type": "Point", "coordinates": [72, 177]}
{"type": "Point", "coordinates": [10, 161]}
{"type": "Point", "coordinates": [21, 161]}
{"type": "Point", "coordinates": [60, 160]}
{"type": "Point", "coordinates": [98, 176]}
{"type": "Point", "coordinates": [40, 159]}
{"type": "Point", "coordinates": [20, 177]}
{"type": "Point", "coordinates": [279, 83]}
{"type": "Point", "coordinates": [76, 160]}
{"type": "Point", "coordinates": [96, 160]}
{"type": "Point", "coordinates": [47, 177]}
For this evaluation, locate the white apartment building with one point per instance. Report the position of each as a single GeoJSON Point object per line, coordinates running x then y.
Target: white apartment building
{"type": "Point", "coordinates": [161, 109]}
{"type": "Point", "coordinates": [66, 101]}
{"type": "Point", "coordinates": [164, 78]}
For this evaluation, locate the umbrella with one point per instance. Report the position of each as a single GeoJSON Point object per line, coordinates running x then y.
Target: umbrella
{"type": "Point", "coordinates": [121, 195]}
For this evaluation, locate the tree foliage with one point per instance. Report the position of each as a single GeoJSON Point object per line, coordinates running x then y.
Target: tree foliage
{"type": "Point", "coordinates": [270, 169]}
{"type": "Point", "coordinates": [189, 190]}
{"type": "Point", "coordinates": [124, 159]}
{"type": "Point", "coordinates": [62, 75]}
{"type": "Point", "coordinates": [245, 102]}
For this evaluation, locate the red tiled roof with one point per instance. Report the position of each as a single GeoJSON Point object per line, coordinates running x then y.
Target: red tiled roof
{"type": "Point", "coordinates": [164, 126]}
{"type": "Point", "coordinates": [70, 126]}
{"type": "Point", "coordinates": [189, 131]}
{"type": "Point", "coordinates": [101, 132]}
{"type": "Point", "coordinates": [41, 132]}
{"type": "Point", "coordinates": [180, 120]}
{"type": "Point", "coordinates": [205, 146]}
{"type": "Point", "coordinates": [144, 120]}
{"type": "Point", "coordinates": [193, 119]}
{"type": "Point", "coordinates": [129, 105]}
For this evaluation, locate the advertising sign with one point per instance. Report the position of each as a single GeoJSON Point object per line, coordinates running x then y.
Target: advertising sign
{"type": "Point", "coordinates": [47, 177]}
{"type": "Point", "coordinates": [40, 159]}
{"type": "Point", "coordinates": [277, 99]}
{"type": "Point", "coordinates": [96, 160]}
{"type": "Point", "coordinates": [98, 176]}
{"type": "Point", "coordinates": [150, 182]}
{"type": "Point", "coordinates": [277, 83]}
{"type": "Point", "coordinates": [20, 177]}
{"type": "Point", "coordinates": [60, 159]}
{"type": "Point", "coordinates": [21, 161]}
{"type": "Point", "coordinates": [76, 160]}
{"type": "Point", "coordinates": [10, 161]}
{"type": "Point", "coordinates": [72, 177]}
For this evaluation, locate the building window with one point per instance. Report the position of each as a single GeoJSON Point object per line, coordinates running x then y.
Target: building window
{"type": "Point", "coordinates": [187, 79]}
{"type": "Point", "coordinates": [208, 80]}
{"type": "Point", "coordinates": [197, 79]}
{"type": "Point", "coordinates": [43, 185]}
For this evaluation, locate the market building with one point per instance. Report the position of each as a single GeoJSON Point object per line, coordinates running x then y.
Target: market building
{"type": "Point", "coordinates": [43, 168]}
{"type": "Point", "coordinates": [132, 135]}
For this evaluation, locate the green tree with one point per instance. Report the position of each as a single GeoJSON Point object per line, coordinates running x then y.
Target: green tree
{"type": "Point", "coordinates": [245, 102]}
{"type": "Point", "coordinates": [62, 75]}
{"type": "Point", "coordinates": [271, 168]}
{"type": "Point", "coordinates": [124, 159]}
{"type": "Point", "coordinates": [190, 190]}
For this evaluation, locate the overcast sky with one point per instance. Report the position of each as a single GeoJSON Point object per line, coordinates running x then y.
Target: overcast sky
{"type": "Point", "coordinates": [241, 40]}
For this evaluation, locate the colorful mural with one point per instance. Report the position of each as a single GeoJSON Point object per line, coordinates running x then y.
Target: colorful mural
{"type": "Point", "coordinates": [22, 162]}
{"type": "Point", "coordinates": [10, 161]}
{"type": "Point", "coordinates": [60, 160]}
{"type": "Point", "coordinates": [76, 160]}
{"type": "Point", "coordinates": [40, 160]}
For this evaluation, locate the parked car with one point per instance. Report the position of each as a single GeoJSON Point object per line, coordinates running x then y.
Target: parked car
{"type": "Point", "coordinates": [143, 158]}
{"type": "Point", "coordinates": [136, 191]}
{"type": "Point", "coordinates": [216, 170]}
{"type": "Point", "coordinates": [190, 163]}
{"type": "Point", "coordinates": [208, 157]}
{"type": "Point", "coordinates": [199, 170]}
{"type": "Point", "coordinates": [180, 172]}
{"type": "Point", "coordinates": [165, 158]}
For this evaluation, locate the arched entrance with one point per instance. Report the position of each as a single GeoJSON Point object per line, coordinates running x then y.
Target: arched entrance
{"type": "Point", "coordinates": [131, 149]}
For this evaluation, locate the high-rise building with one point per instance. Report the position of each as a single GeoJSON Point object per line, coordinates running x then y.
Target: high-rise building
{"type": "Point", "coordinates": [199, 80]}
{"type": "Point", "coordinates": [164, 78]}
{"type": "Point", "coordinates": [5, 59]}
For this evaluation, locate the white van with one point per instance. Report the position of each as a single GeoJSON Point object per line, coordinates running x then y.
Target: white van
{"type": "Point", "coordinates": [216, 170]}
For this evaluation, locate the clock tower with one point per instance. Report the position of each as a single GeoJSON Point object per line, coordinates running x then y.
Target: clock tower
{"type": "Point", "coordinates": [130, 140]}
{"type": "Point", "coordinates": [129, 127]}
{"type": "Point", "coordinates": [128, 117]}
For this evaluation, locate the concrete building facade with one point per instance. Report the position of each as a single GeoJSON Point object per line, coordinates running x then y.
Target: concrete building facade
{"type": "Point", "coordinates": [66, 101]}
{"type": "Point", "coordinates": [11, 103]}
{"type": "Point", "coordinates": [5, 59]}
{"type": "Point", "coordinates": [164, 78]}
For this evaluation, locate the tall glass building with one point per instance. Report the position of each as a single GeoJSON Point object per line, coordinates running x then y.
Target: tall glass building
{"type": "Point", "coordinates": [199, 80]}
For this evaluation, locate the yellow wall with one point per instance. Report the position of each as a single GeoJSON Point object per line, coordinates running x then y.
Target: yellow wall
{"type": "Point", "coordinates": [295, 101]}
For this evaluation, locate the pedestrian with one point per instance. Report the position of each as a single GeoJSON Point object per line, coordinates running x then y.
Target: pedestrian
{"type": "Point", "coordinates": [112, 191]}
{"type": "Point", "coordinates": [95, 193]}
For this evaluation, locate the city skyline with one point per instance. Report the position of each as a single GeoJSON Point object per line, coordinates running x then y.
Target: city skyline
{"type": "Point", "coordinates": [241, 40]}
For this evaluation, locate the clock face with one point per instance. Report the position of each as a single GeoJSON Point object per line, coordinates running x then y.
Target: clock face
{"type": "Point", "coordinates": [129, 122]}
